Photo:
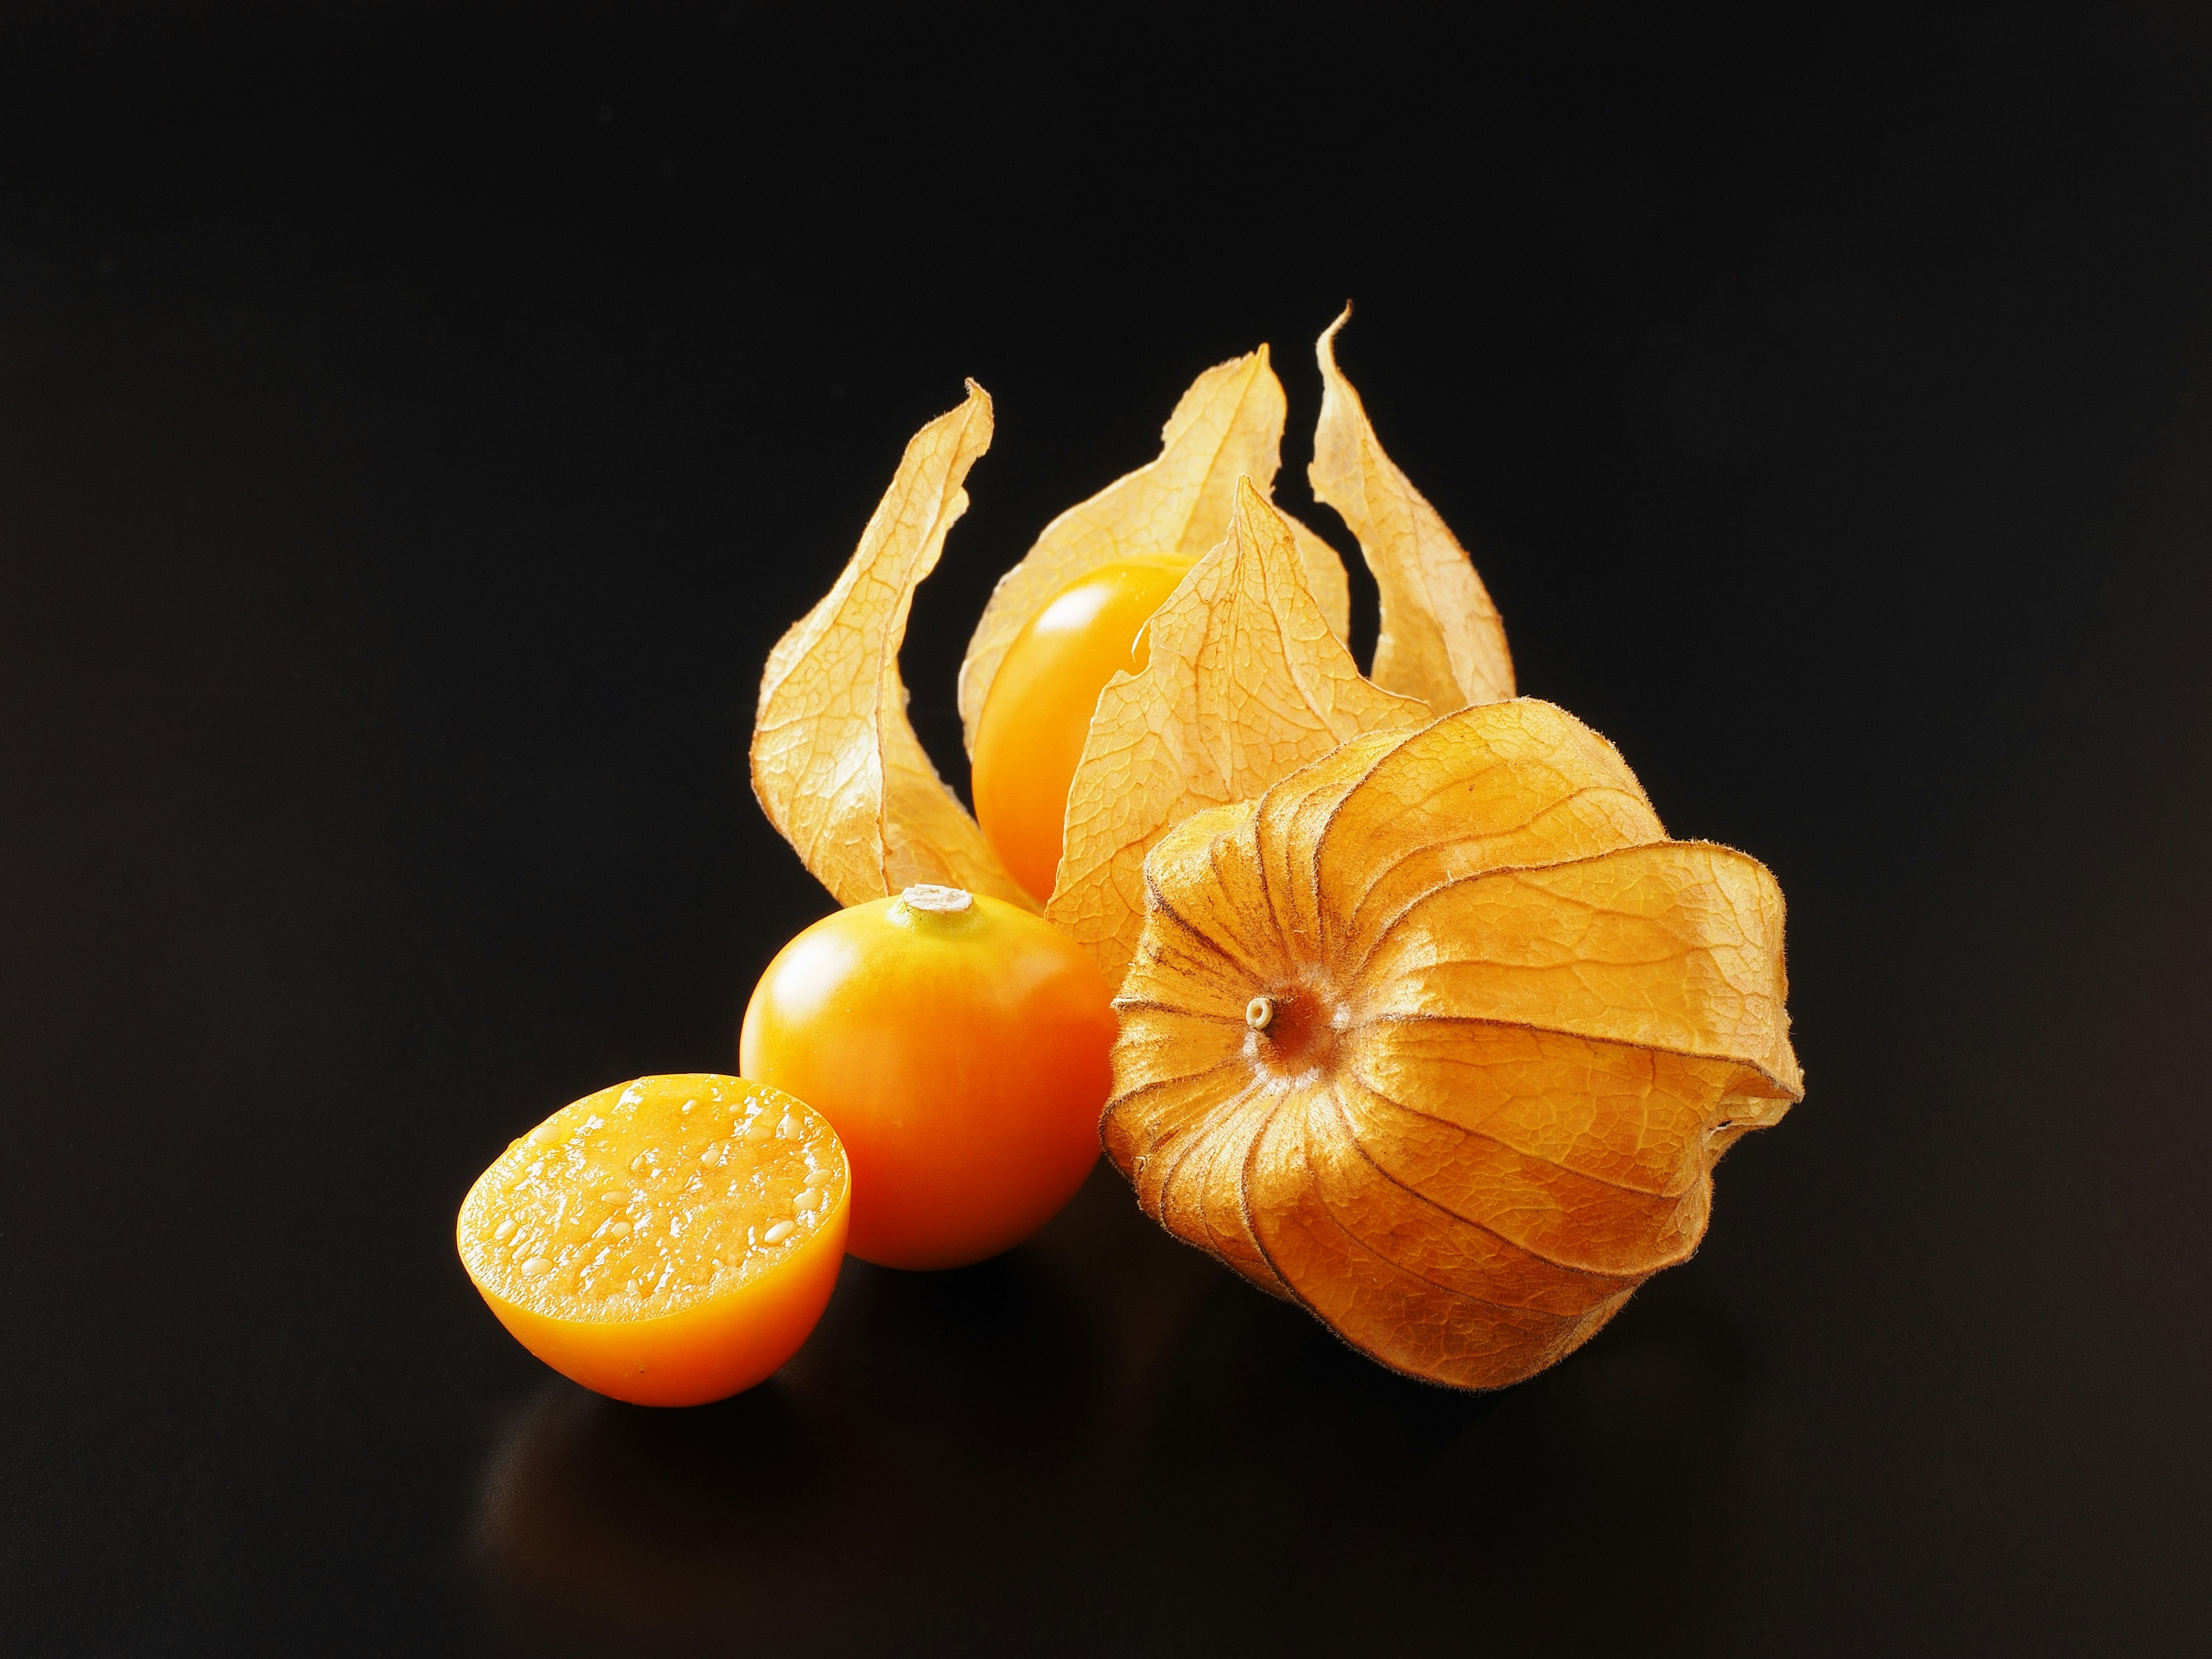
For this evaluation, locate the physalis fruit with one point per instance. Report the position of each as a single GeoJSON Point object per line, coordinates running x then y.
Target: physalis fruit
{"type": "Point", "coordinates": [668, 1241]}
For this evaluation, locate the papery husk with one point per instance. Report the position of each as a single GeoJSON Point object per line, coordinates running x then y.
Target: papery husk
{"type": "Point", "coordinates": [836, 763]}
{"type": "Point", "coordinates": [1245, 682]}
{"type": "Point", "coordinates": [1515, 1028]}
{"type": "Point", "coordinates": [1248, 675]}
{"type": "Point", "coordinates": [1440, 639]}
{"type": "Point", "coordinates": [1228, 425]}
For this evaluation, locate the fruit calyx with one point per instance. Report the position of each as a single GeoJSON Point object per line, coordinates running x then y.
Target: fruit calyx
{"type": "Point", "coordinates": [932, 900]}
{"type": "Point", "coordinates": [1294, 1030]}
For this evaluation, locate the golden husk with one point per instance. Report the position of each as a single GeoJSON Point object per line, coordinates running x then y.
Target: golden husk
{"type": "Point", "coordinates": [1515, 1028]}
{"type": "Point", "coordinates": [835, 764]}
{"type": "Point", "coordinates": [1229, 425]}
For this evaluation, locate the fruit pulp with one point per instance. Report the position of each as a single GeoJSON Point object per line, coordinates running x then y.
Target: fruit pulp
{"type": "Point", "coordinates": [668, 1241]}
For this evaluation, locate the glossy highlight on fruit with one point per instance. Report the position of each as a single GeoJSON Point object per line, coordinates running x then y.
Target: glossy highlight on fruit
{"type": "Point", "coordinates": [958, 1045]}
{"type": "Point", "coordinates": [1031, 734]}
{"type": "Point", "coordinates": [668, 1241]}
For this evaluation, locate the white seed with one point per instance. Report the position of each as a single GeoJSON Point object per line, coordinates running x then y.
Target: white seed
{"type": "Point", "coordinates": [807, 1199]}
{"type": "Point", "coordinates": [760, 1128]}
{"type": "Point", "coordinates": [614, 1196]}
{"type": "Point", "coordinates": [817, 1178]}
{"type": "Point", "coordinates": [504, 1231]}
{"type": "Point", "coordinates": [688, 1104]}
{"type": "Point", "coordinates": [776, 1235]}
{"type": "Point", "coordinates": [536, 1265]}
{"type": "Point", "coordinates": [712, 1157]}
{"type": "Point", "coordinates": [617, 1228]}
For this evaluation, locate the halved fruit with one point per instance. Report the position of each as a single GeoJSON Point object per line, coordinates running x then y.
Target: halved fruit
{"type": "Point", "coordinates": [668, 1241]}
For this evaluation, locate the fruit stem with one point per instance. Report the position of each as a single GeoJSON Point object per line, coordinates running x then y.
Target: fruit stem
{"type": "Point", "coordinates": [1260, 1012]}
{"type": "Point", "coordinates": [936, 901]}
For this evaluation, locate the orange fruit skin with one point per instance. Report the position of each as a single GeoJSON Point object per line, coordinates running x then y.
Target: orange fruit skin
{"type": "Point", "coordinates": [701, 1353]}
{"type": "Point", "coordinates": [962, 1059]}
{"type": "Point", "coordinates": [1029, 736]}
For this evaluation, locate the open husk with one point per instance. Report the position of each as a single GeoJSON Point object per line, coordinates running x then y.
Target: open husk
{"type": "Point", "coordinates": [835, 764]}
{"type": "Point", "coordinates": [1441, 1037]}
{"type": "Point", "coordinates": [1249, 676]}
{"type": "Point", "coordinates": [1441, 639]}
{"type": "Point", "coordinates": [1228, 425]}
{"type": "Point", "coordinates": [1245, 682]}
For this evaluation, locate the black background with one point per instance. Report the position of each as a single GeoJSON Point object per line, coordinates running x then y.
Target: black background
{"type": "Point", "coordinates": [416, 421]}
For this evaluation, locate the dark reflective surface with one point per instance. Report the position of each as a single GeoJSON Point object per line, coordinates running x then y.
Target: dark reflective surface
{"type": "Point", "coordinates": [416, 421]}
{"type": "Point", "coordinates": [1049, 1448]}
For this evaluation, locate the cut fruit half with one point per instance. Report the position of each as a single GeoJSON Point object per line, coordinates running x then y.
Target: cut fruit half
{"type": "Point", "coordinates": [668, 1241]}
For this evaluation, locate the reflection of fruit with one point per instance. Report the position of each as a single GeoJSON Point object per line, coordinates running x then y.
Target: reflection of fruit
{"type": "Point", "coordinates": [603, 1528]}
{"type": "Point", "coordinates": [958, 1045]}
{"type": "Point", "coordinates": [1034, 722]}
{"type": "Point", "coordinates": [667, 1241]}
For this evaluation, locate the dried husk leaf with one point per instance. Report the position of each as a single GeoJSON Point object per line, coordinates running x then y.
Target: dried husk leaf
{"type": "Point", "coordinates": [1441, 639]}
{"type": "Point", "coordinates": [836, 763]}
{"type": "Point", "coordinates": [1245, 682]}
{"type": "Point", "coordinates": [1229, 424]}
{"type": "Point", "coordinates": [1515, 1028]}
